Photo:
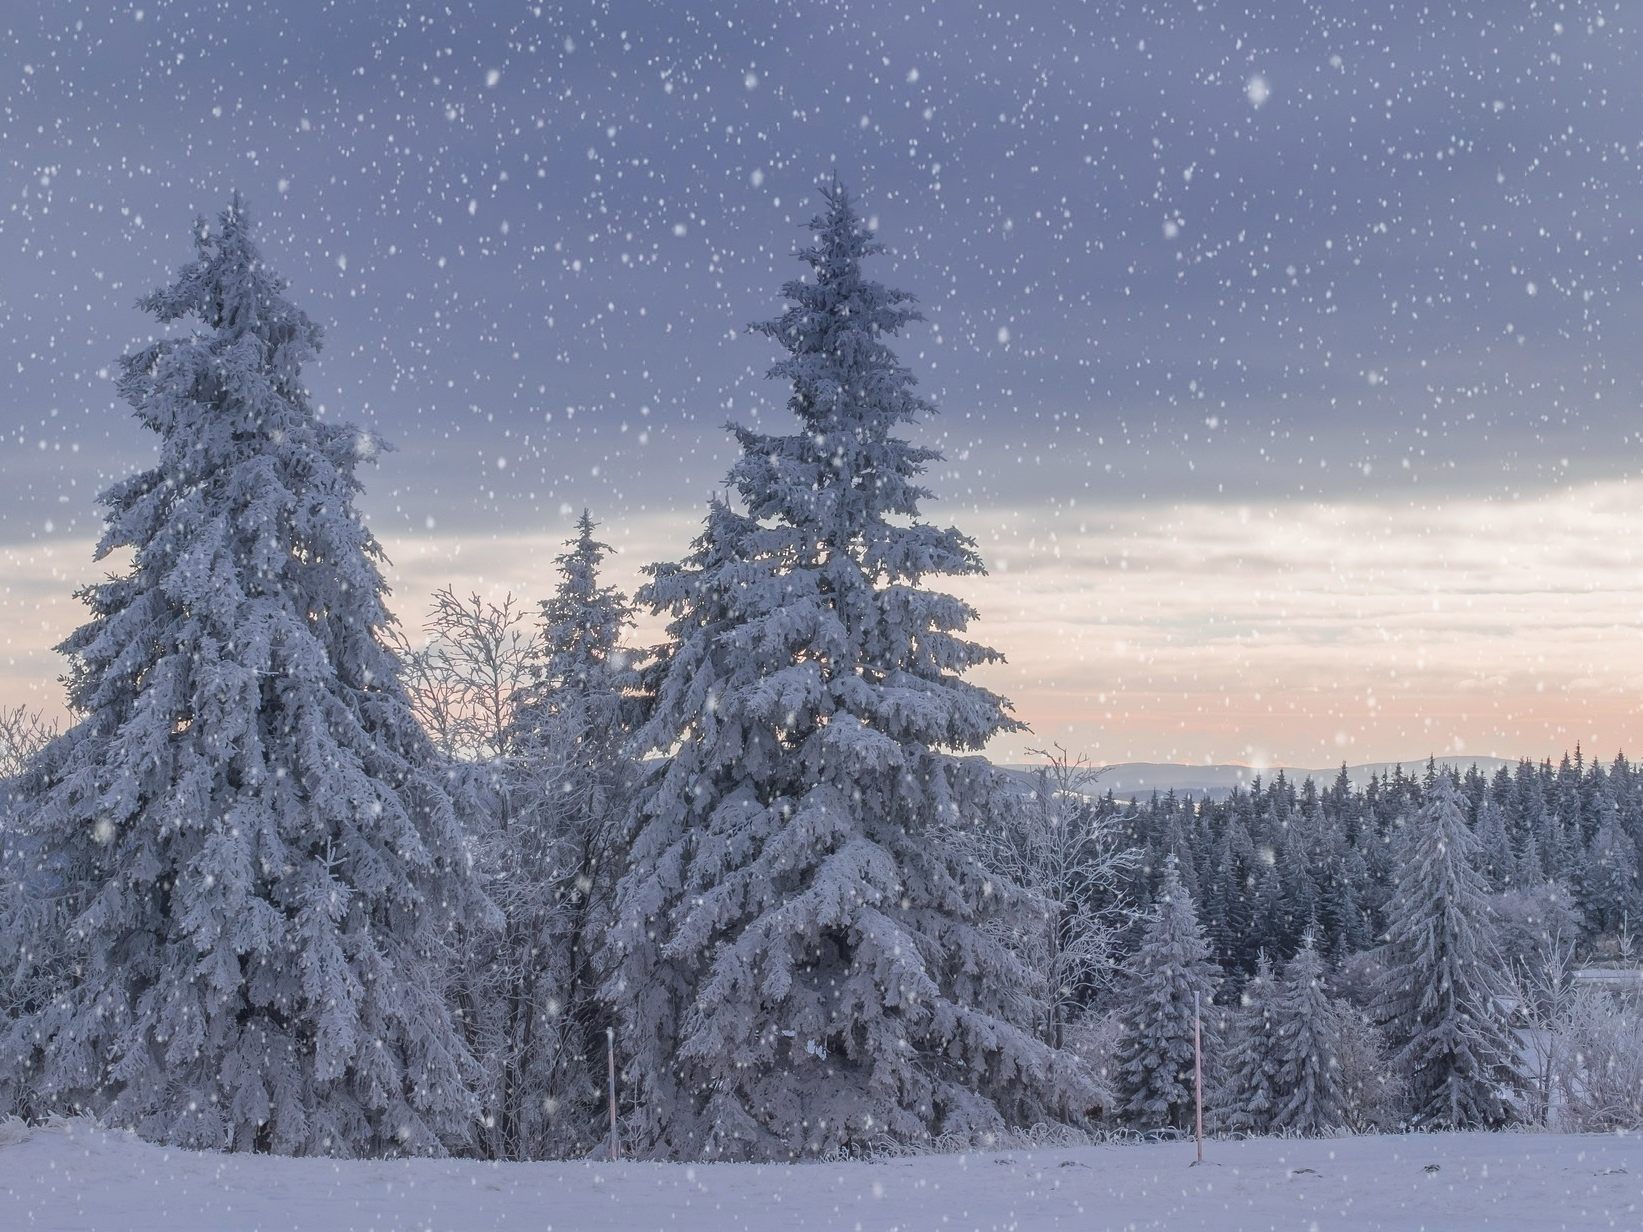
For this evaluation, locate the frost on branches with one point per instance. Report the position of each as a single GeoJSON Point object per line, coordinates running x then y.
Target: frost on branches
{"type": "Point", "coordinates": [797, 965]}
{"type": "Point", "coordinates": [254, 875]}
{"type": "Point", "coordinates": [1444, 993]}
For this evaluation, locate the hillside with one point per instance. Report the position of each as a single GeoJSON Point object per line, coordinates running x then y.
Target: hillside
{"type": "Point", "coordinates": [1142, 778]}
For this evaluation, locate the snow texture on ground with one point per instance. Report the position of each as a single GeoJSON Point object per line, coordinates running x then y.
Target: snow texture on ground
{"type": "Point", "coordinates": [75, 1177]}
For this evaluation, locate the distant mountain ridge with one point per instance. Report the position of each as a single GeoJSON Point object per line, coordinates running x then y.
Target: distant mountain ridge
{"type": "Point", "coordinates": [1142, 778]}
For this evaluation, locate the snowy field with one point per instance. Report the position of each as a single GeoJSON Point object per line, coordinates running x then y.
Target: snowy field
{"type": "Point", "coordinates": [96, 1181]}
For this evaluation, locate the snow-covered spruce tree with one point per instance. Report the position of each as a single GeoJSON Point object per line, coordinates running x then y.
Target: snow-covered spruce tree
{"type": "Point", "coordinates": [258, 876]}
{"type": "Point", "coordinates": [1496, 860]}
{"type": "Point", "coordinates": [1607, 888]}
{"type": "Point", "coordinates": [800, 964]}
{"type": "Point", "coordinates": [1249, 1096]}
{"type": "Point", "coordinates": [1442, 996]}
{"type": "Point", "coordinates": [1154, 1060]}
{"type": "Point", "coordinates": [570, 783]}
{"type": "Point", "coordinates": [1234, 867]}
{"type": "Point", "coordinates": [1306, 1024]}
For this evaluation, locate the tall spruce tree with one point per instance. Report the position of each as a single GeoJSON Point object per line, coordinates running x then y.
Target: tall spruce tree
{"type": "Point", "coordinates": [1443, 992]}
{"type": "Point", "coordinates": [1155, 1056]}
{"type": "Point", "coordinates": [800, 962]}
{"type": "Point", "coordinates": [256, 875]}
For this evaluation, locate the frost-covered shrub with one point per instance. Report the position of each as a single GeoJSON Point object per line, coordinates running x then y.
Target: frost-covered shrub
{"type": "Point", "coordinates": [1375, 1095]}
{"type": "Point", "coordinates": [1094, 1037]}
{"type": "Point", "coordinates": [1600, 1082]}
{"type": "Point", "coordinates": [1527, 921]}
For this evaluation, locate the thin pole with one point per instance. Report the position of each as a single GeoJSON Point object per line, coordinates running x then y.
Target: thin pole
{"type": "Point", "coordinates": [1198, 1072]}
{"type": "Point", "coordinates": [610, 1058]}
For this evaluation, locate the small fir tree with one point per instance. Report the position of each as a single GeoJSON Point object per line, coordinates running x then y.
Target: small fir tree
{"type": "Point", "coordinates": [1154, 1061]}
{"type": "Point", "coordinates": [1251, 1092]}
{"type": "Point", "coordinates": [1307, 1032]}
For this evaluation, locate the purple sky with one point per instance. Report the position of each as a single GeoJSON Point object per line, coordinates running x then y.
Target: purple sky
{"type": "Point", "coordinates": [1286, 357]}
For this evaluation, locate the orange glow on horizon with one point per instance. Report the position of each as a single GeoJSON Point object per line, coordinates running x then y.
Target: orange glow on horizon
{"type": "Point", "coordinates": [1285, 634]}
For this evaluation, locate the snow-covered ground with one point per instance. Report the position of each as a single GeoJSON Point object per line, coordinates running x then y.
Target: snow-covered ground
{"type": "Point", "coordinates": [81, 1178]}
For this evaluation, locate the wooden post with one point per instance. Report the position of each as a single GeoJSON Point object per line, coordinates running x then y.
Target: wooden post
{"type": "Point", "coordinates": [1198, 1073]}
{"type": "Point", "coordinates": [610, 1057]}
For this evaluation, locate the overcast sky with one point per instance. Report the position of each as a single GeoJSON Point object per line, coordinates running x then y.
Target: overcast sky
{"type": "Point", "coordinates": [1288, 359]}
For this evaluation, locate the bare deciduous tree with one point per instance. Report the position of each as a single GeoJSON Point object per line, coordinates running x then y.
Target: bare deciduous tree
{"type": "Point", "coordinates": [1059, 846]}
{"type": "Point", "coordinates": [24, 731]}
{"type": "Point", "coordinates": [465, 678]}
{"type": "Point", "coordinates": [26, 900]}
{"type": "Point", "coordinates": [1601, 1063]}
{"type": "Point", "coordinates": [1543, 987]}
